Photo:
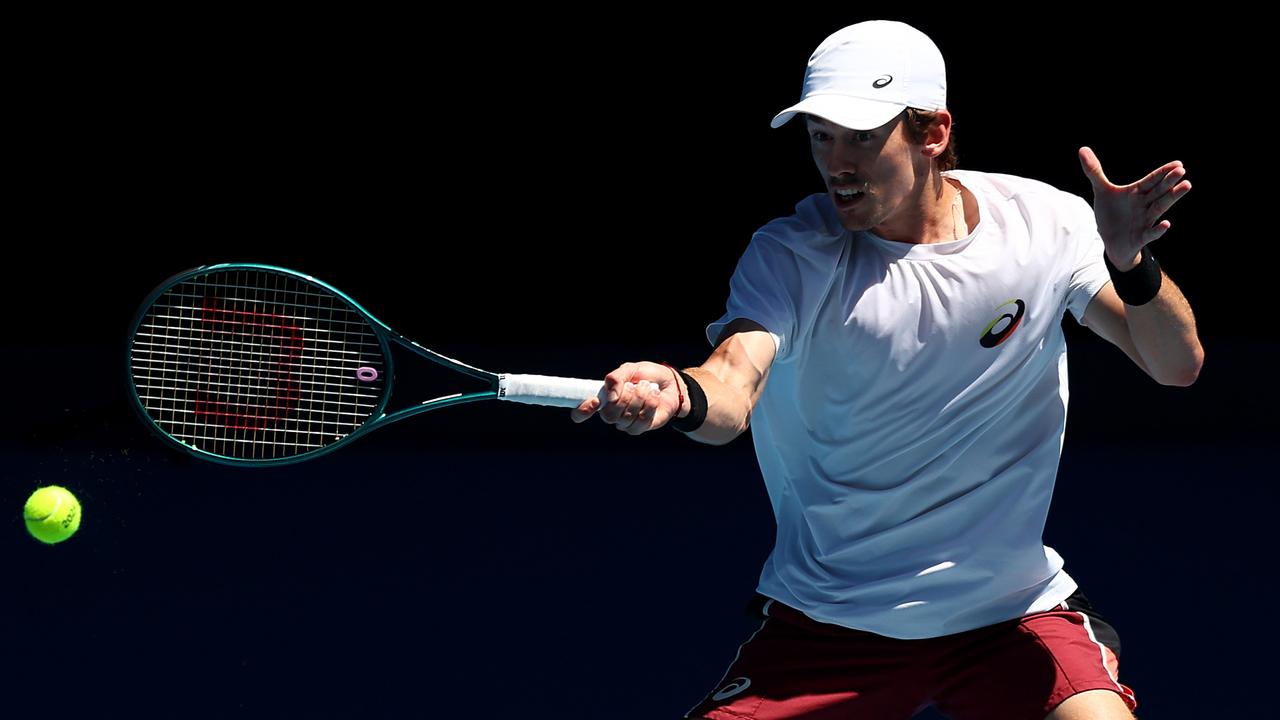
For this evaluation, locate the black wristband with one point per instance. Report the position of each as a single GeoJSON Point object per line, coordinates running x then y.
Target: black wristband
{"type": "Point", "coordinates": [1140, 284]}
{"type": "Point", "coordinates": [697, 407]}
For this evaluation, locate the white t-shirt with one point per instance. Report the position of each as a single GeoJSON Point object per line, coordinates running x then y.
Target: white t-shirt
{"type": "Point", "coordinates": [910, 457]}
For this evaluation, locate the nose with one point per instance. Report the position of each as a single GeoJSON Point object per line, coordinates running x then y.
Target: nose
{"type": "Point", "coordinates": [840, 164]}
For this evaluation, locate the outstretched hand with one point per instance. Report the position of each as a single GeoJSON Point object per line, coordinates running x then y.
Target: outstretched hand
{"type": "Point", "coordinates": [1129, 215]}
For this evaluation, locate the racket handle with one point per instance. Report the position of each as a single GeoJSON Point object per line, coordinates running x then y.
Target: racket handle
{"type": "Point", "coordinates": [547, 390]}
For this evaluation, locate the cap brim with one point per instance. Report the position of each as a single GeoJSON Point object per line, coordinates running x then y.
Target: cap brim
{"type": "Point", "coordinates": [853, 113]}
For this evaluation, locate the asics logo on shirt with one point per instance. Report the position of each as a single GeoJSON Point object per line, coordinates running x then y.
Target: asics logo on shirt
{"type": "Point", "coordinates": [882, 81]}
{"type": "Point", "coordinates": [999, 330]}
{"type": "Point", "coordinates": [734, 687]}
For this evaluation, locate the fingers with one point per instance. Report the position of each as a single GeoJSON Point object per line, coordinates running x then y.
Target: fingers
{"type": "Point", "coordinates": [1159, 180]}
{"type": "Point", "coordinates": [1165, 181]}
{"type": "Point", "coordinates": [1170, 190]}
{"type": "Point", "coordinates": [1092, 167]}
{"type": "Point", "coordinates": [633, 398]}
{"type": "Point", "coordinates": [1155, 177]}
{"type": "Point", "coordinates": [1166, 201]}
{"type": "Point", "coordinates": [641, 407]}
{"type": "Point", "coordinates": [585, 410]}
{"type": "Point", "coordinates": [618, 389]}
{"type": "Point", "coordinates": [1129, 216]}
{"type": "Point", "coordinates": [1156, 232]}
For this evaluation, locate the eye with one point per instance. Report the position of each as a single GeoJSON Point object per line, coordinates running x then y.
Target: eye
{"type": "Point", "coordinates": [819, 136]}
{"type": "Point", "coordinates": [862, 136]}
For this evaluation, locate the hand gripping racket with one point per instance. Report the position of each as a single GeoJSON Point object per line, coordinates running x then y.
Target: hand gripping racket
{"type": "Point", "coordinates": [259, 365]}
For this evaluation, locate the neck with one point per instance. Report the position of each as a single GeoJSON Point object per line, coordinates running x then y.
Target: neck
{"type": "Point", "coordinates": [938, 217]}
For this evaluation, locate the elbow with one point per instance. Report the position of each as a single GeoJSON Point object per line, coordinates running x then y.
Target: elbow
{"type": "Point", "coordinates": [1182, 380]}
{"type": "Point", "coordinates": [1185, 374]}
{"type": "Point", "coordinates": [719, 436]}
{"type": "Point", "coordinates": [713, 438]}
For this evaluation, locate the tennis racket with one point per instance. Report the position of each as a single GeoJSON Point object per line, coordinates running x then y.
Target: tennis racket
{"type": "Point", "coordinates": [250, 364]}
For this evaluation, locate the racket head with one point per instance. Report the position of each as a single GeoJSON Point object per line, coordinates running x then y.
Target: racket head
{"type": "Point", "coordinates": [251, 364]}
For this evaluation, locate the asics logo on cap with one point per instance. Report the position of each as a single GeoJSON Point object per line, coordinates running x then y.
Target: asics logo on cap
{"type": "Point", "coordinates": [734, 687]}
{"type": "Point", "coordinates": [882, 81]}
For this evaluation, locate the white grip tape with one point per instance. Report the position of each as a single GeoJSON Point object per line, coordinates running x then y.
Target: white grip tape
{"type": "Point", "coordinates": [547, 390]}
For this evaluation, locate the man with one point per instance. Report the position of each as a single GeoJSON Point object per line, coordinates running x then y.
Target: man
{"type": "Point", "coordinates": [896, 345]}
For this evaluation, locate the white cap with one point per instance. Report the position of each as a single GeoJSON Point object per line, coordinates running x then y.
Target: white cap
{"type": "Point", "coordinates": [862, 76]}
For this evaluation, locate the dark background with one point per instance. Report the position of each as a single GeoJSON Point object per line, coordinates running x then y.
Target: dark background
{"type": "Point", "coordinates": [556, 194]}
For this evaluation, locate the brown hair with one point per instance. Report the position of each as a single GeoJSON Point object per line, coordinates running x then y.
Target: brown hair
{"type": "Point", "coordinates": [916, 128]}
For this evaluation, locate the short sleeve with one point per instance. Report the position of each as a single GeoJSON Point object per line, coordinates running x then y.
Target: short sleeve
{"type": "Point", "coordinates": [1085, 251]}
{"type": "Point", "coordinates": [761, 289]}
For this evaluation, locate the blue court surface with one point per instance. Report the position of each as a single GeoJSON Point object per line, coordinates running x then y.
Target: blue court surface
{"type": "Point", "coordinates": [437, 569]}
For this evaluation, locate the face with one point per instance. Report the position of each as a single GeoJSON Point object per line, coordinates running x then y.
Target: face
{"type": "Point", "coordinates": [874, 177]}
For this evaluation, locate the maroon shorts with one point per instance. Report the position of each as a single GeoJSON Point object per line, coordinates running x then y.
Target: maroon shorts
{"type": "Point", "coordinates": [795, 667]}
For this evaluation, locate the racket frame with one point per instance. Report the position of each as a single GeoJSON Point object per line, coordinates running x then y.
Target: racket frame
{"type": "Point", "coordinates": [379, 417]}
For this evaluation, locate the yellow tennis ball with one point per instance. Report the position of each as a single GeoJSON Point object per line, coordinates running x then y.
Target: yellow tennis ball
{"type": "Point", "coordinates": [52, 514]}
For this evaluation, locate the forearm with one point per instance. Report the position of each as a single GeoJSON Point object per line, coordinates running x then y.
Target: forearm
{"type": "Point", "coordinates": [728, 408]}
{"type": "Point", "coordinates": [1164, 333]}
{"type": "Point", "coordinates": [710, 403]}
{"type": "Point", "coordinates": [732, 380]}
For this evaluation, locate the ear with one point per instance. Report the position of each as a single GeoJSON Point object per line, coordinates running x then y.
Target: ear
{"type": "Point", "coordinates": [938, 135]}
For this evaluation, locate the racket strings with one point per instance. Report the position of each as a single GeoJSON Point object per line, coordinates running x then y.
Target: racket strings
{"type": "Point", "coordinates": [253, 364]}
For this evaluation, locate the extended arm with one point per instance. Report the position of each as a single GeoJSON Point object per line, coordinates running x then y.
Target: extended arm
{"type": "Point", "coordinates": [645, 396]}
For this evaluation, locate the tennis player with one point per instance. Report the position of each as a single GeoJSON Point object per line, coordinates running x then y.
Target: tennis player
{"type": "Point", "coordinates": [897, 347]}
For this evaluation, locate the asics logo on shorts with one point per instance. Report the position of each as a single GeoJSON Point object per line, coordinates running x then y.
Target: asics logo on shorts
{"type": "Point", "coordinates": [882, 81]}
{"type": "Point", "coordinates": [734, 687]}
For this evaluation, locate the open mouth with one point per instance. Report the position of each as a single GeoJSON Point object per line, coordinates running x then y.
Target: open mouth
{"type": "Point", "coordinates": [848, 196]}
